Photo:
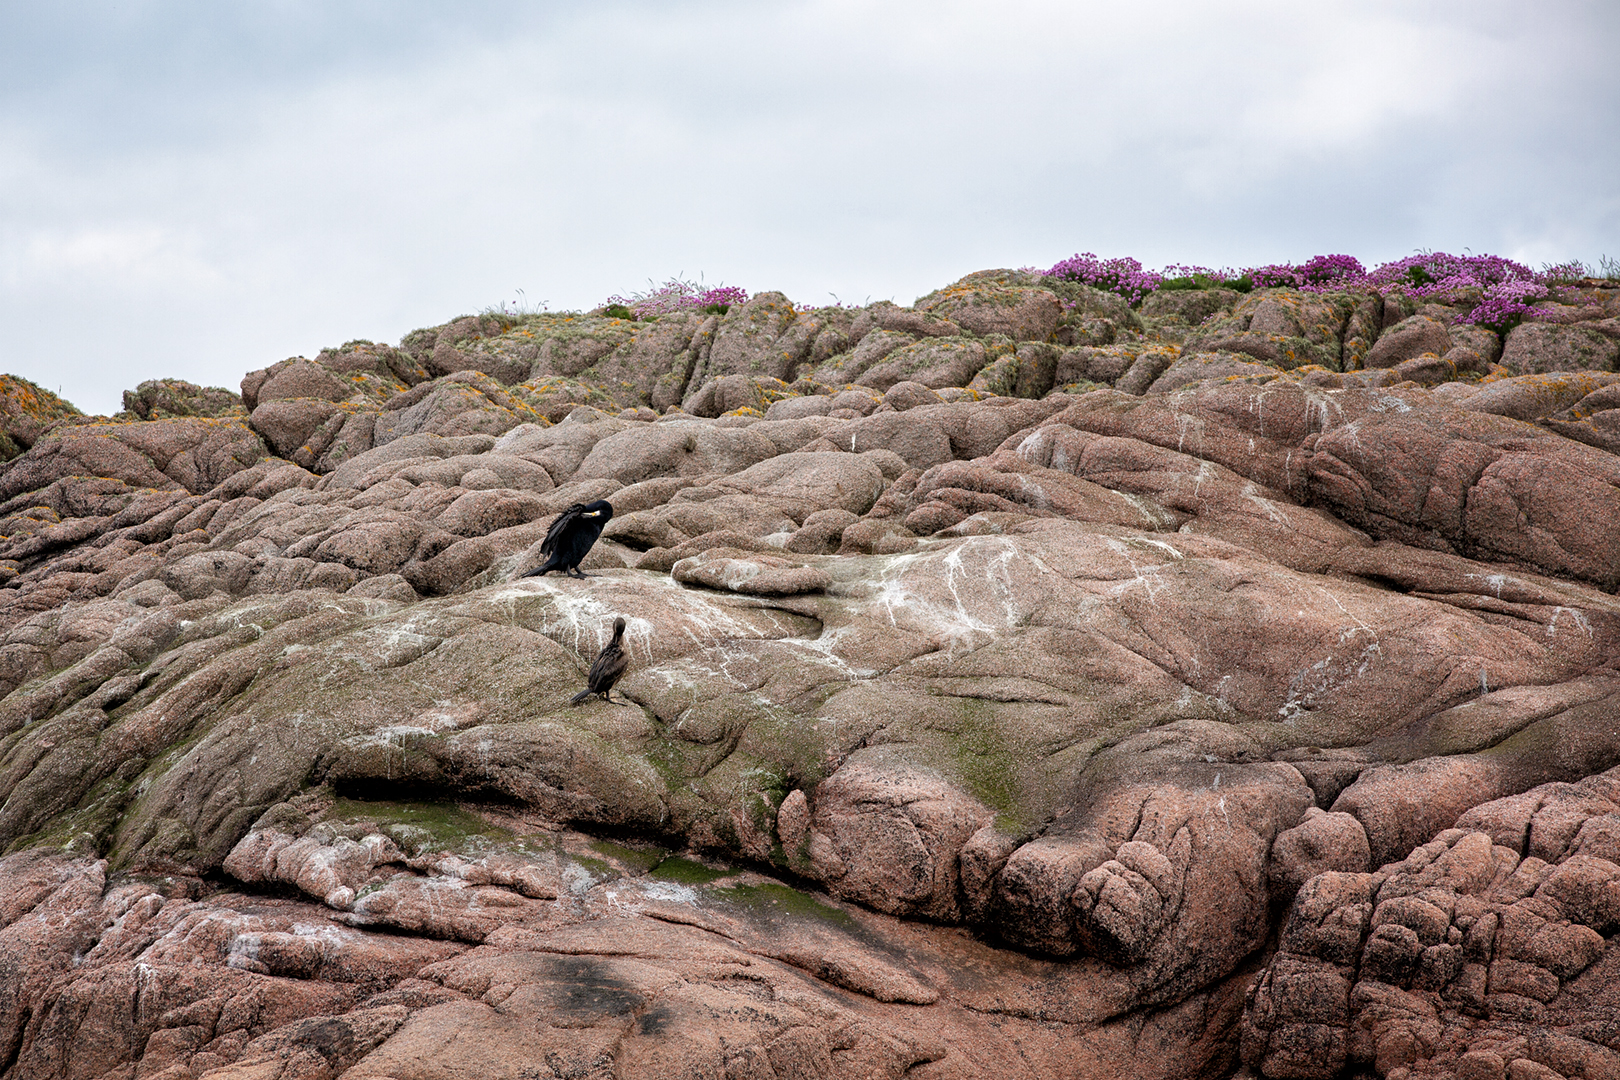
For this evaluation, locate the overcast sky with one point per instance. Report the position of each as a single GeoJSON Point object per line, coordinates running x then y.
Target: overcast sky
{"type": "Point", "coordinates": [197, 190]}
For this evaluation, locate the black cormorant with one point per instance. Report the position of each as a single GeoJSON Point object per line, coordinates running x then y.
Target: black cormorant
{"type": "Point", "coordinates": [610, 664]}
{"type": "Point", "coordinates": [571, 536]}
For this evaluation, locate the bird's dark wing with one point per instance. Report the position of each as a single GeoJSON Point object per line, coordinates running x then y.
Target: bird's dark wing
{"type": "Point", "coordinates": [607, 669]}
{"type": "Point", "coordinates": [559, 526]}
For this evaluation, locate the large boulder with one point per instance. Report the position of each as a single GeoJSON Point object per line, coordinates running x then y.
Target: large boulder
{"type": "Point", "coordinates": [1208, 367]}
{"type": "Point", "coordinates": [1285, 328]}
{"type": "Point", "coordinates": [673, 449]}
{"type": "Point", "coordinates": [288, 424]}
{"type": "Point", "coordinates": [1020, 312]}
{"type": "Point", "coordinates": [473, 343]}
{"type": "Point", "coordinates": [801, 484]}
{"type": "Point", "coordinates": [740, 394]}
{"type": "Point", "coordinates": [27, 411]}
{"type": "Point", "coordinates": [379, 464]}
{"type": "Point", "coordinates": [846, 368]}
{"type": "Point", "coordinates": [367, 357]}
{"type": "Point", "coordinates": [566, 345]}
{"type": "Point", "coordinates": [1149, 868]}
{"type": "Point", "coordinates": [295, 378]}
{"type": "Point", "coordinates": [1534, 347]}
{"type": "Point", "coordinates": [464, 403]}
{"type": "Point", "coordinates": [764, 336]}
{"type": "Point", "coordinates": [887, 315]}
{"type": "Point", "coordinates": [933, 362]}
{"type": "Point", "coordinates": [889, 838]}
{"type": "Point", "coordinates": [159, 399]}
{"type": "Point", "coordinates": [1476, 484]}
{"type": "Point", "coordinates": [1407, 339]}
{"type": "Point", "coordinates": [1097, 364]}
{"type": "Point", "coordinates": [652, 367]}
{"type": "Point", "coordinates": [1192, 305]}
{"type": "Point", "coordinates": [1532, 397]}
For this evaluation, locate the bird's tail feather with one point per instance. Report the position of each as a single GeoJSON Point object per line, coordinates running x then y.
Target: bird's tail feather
{"type": "Point", "coordinates": [581, 696]}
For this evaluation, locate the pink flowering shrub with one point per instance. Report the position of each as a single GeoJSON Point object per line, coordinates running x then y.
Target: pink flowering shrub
{"type": "Point", "coordinates": [677, 295]}
{"type": "Point", "coordinates": [1505, 305]}
{"type": "Point", "coordinates": [1506, 288]}
{"type": "Point", "coordinates": [1437, 274]}
{"type": "Point", "coordinates": [1123, 276]}
{"type": "Point", "coordinates": [1502, 292]}
{"type": "Point", "coordinates": [1318, 274]}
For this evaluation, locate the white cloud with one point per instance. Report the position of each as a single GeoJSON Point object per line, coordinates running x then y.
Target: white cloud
{"type": "Point", "coordinates": [137, 256]}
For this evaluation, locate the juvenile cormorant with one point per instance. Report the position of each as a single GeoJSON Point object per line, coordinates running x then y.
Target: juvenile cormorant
{"type": "Point", "coordinates": [571, 536]}
{"type": "Point", "coordinates": [610, 664]}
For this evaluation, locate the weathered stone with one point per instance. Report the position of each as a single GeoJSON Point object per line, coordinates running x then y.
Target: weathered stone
{"type": "Point", "coordinates": [158, 399]}
{"type": "Point", "coordinates": [1193, 305]}
{"type": "Point", "coordinates": [1283, 328]}
{"type": "Point", "coordinates": [633, 455]}
{"type": "Point", "coordinates": [756, 338]}
{"type": "Point", "coordinates": [751, 574]}
{"type": "Point", "coordinates": [27, 411]}
{"type": "Point", "coordinates": [1408, 339]}
{"type": "Point", "coordinates": [1198, 368]}
{"type": "Point", "coordinates": [1535, 347]}
{"type": "Point", "coordinates": [932, 362]}
{"type": "Point", "coordinates": [464, 403]}
{"type": "Point", "coordinates": [1019, 312]}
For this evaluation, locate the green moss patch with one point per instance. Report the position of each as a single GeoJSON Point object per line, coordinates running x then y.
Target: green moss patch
{"type": "Point", "coordinates": [600, 869]}
{"type": "Point", "coordinates": [984, 760]}
{"type": "Point", "coordinates": [770, 899]}
{"type": "Point", "coordinates": [424, 826]}
{"type": "Point", "coordinates": [687, 872]}
{"type": "Point", "coordinates": [636, 860]}
{"type": "Point", "coordinates": [96, 816]}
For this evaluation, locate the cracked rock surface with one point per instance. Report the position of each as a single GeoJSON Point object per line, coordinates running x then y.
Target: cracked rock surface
{"type": "Point", "coordinates": [992, 708]}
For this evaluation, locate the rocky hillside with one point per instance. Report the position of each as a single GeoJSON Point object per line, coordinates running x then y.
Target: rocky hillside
{"type": "Point", "coordinates": [1023, 683]}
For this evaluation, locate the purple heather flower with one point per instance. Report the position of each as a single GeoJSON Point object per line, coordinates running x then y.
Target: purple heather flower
{"type": "Point", "coordinates": [721, 294]}
{"type": "Point", "coordinates": [1318, 274]}
{"type": "Point", "coordinates": [1124, 276]}
{"type": "Point", "coordinates": [1505, 289]}
{"type": "Point", "coordinates": [1438, 274]}
{"type": "Point", "coordinates": [1505, 305]}
{"type": "Point", "coordinates": [677, 295]}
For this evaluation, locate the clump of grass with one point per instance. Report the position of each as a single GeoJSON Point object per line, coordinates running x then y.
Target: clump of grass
{"type": "Point", "coordinates": [1564, 273]}
{"type": "Point", "coordinates": [1188, 278]}
{"type": "Point", "coordinates": [510, 310]}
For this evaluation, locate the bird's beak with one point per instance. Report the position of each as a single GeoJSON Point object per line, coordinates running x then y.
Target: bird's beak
{"type": "Point", "coordinates": [593, 513]}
